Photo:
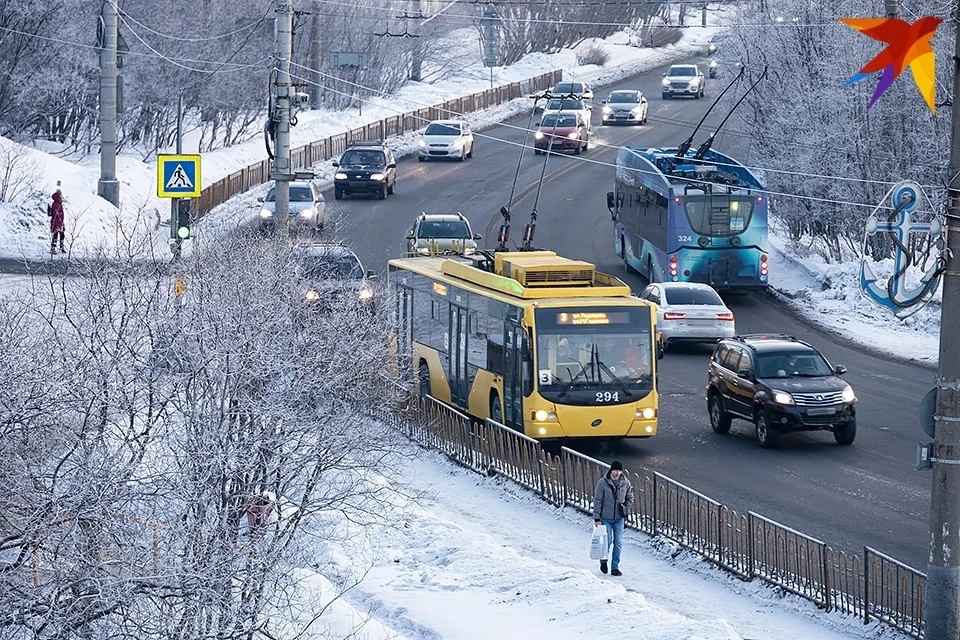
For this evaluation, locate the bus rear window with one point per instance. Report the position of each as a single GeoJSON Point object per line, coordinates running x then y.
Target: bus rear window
{"type": "Point", "coordinates": [718, 215]}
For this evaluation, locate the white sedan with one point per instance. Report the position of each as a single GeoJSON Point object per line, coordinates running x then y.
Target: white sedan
{"type": "Point", "coordinates": [690, 312]}
{"type": "Point", "coordinates": [446, 139]}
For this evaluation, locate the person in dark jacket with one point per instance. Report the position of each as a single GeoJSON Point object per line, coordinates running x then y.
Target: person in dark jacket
{"type": "Point", "coordinates": [612, 501]}
{"type": "Point", "coordinates": [57, 226]}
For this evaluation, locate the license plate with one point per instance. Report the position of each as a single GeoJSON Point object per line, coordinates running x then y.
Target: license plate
{"type": "Point", "coordinates": [821, 411]}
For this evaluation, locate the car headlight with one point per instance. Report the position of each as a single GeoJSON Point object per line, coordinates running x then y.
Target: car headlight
{"type": "Point", "coordinates": [469, 250]}
{"type": "Point", "coordinates": [306, 213]}
{"type": "Point", "coordinates": [713, 63]}
{"type": "Point", "coordinates": [365, 294]}
{"type": "Point", "coordinates": [607, 109]}
{"type": "Point", "coordinates": [339, 176]}
{"type": "Point", "coordinates": [573, 135]}
{"type": "Point", "coordinates": [636, 110]}
{"type": "Point", "coordinates": [848, 395]}
{"type": "Point", "coordinates": [693, 82]}
{"type": "Point", "coordinates": [377, 176]}
{"type": "Point", "coordinates": [456, 144]}
{"type": "Point", "coordinates": [422, 144]}
{"type": "Point", "coordinates": [311, 296]}
{"type": "Point", "coordinates": [665, 82]}
{"type": "Point", "coordinates": [538, 135]}
{"type": "Point", "coordinates": [266, 213]}
{"type": "Point", "coordinates": [782, 397]}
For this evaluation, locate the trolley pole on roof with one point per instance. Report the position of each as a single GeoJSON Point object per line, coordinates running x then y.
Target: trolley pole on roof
{"type": "Point", "coordinates": [942, 604]}
{"type": "Point", "coordinates": [283, 91]}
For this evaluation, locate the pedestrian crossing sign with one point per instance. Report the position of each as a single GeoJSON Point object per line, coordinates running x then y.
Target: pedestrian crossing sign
{"type": "Point", "coordinates": [178, 176]}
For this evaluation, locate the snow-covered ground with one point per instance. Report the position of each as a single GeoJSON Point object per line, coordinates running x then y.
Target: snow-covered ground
{"type": "Point", "coordinates": [481, 558]}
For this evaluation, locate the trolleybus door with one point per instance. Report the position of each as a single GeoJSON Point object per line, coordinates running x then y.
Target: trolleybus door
{"type": "Point", "coordinates": [513, 376]}
{"type": "Point", "coordinates": [404, 329]}
{"type": "Point", "coordinates": [459, 390]}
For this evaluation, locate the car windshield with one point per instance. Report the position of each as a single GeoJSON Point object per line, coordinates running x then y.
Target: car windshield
{"type": "Point", "coordinates": [685, 295]}
{"type": "Point", "coordinates": [558, 121]}
{"type": "Point", "coordinates": [297, 194]}
{"type": "Point", "coordinates": [792, 364]}
{"type": "Point", "coordinates": [568, 87]}
{"type": "Point", "coordinates": [624, 97]}
{"type": "Point", "coordinates": [556, 104]}
{"type": "Point", "coordinates": [682, 71]}
{"type": "Point", "coordinates": [342, 267]}
{"type": "Point", "coordinates": [438, 129]}
{"type": "Point", "coordinates": [364, 158]}
{"type": "Point", "coordinates": [449, 229]}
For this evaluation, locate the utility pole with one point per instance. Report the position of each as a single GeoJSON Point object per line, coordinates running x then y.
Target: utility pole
{"type": "Point", "coordinates": [703, 15]}
{"type": "Point", "coordinates": [315, 60]}
{"type": "Point", "coordinates": [943, 571]}
{"type": "Point", "coordinates": [283, 91]}
{"type": "Point", "coordinates": [892, 7]}
{"type": "Point", "coordinates": [416, 57]}
{"type": "Point", "coordinates": [108, 187]}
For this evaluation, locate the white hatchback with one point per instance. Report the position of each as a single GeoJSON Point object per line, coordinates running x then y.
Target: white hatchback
{"type": "Point", "coordinates": [689, 311]}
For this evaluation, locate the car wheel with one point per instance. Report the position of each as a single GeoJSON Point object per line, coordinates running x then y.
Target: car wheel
{"type": "Point", "coordinates": [719, 418]}
{"type": "Point", "coordinates": [586, 146]}
{"type": "Point", "coordinates": [383, 193]}
{"type": "Point", "coordinates": [463, 155]}
{"type": "Point", "coordinates": [845, 435]}
{"type": "Point", "coordinates": [623, 256]}
{"type": "Point", "coordinates": [337, 194]}
{"type": "Point", "coordinates": [767, 435]}
{"type": "Point", "coordinates": [424, 375]}
{"type": "Point", "coordinates": [645, 114]}
{"type": "Point", "coordinates": [496, 411]}
{"type": "Point", "coordinates": [577, 149]}
{"type": "Point", "coordinates": [470, 155]}
{"type": "Point", "coordinates": [537, 152]}
{"type": "Point", "coordinates": [421, 159]}
{"type": "Point", "coordinates": [665, 96]}
{"type": "Point", "coordinates": [391, 188]}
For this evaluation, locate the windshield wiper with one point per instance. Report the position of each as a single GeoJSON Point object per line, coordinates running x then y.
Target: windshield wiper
{"type": "Point", "coordinates": [610, 373]}
{"type": "Point", "coordinates": [575, 378]}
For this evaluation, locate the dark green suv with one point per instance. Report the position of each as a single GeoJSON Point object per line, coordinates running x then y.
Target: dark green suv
{"type": "Point", "coordinates": [366, 167]}
{"type": "Point", "coordinates": [780, 384]}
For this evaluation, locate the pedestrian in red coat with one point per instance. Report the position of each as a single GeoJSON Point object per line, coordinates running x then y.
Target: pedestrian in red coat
{"type": "Point", "coordinates": [56, 222]}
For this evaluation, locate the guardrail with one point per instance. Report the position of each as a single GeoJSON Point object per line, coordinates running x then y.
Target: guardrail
{"type": "Point", "coordinates": [876, 587]}
{"type": "Point", "coordinates": [327, 148]}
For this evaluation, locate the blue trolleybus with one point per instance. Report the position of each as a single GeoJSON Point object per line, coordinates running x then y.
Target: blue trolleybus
{"type": "Point", "coordinates": [690, 218]}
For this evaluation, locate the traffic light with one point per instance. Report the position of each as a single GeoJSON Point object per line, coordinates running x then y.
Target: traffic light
{"type": "Point", "coordinates": [183, 219]}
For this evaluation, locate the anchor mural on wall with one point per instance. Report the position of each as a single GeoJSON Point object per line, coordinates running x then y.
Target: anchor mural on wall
{"type": "Point", "coordinates": [895, 295]}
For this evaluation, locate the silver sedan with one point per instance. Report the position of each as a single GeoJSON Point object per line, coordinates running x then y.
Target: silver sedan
{"type": "Point", "coordinates": [689, 311]}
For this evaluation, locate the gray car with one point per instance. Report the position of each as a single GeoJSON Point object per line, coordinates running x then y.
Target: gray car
{"type": "Point", "coordinates": [442, 234]}
{"type": "Point", "coordinates": [332, 277]}
{"type": "Point", "coordinates": [629, 107]}
{"type": "Point", "coordinates": [307, 207]}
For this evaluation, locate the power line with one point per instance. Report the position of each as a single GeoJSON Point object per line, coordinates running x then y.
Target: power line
{"type": "Point", "coordinates": [598, 144]}
{"type": "Point", "coordinates": [250, 26]}
{"type": "Point", "coordinates": [768, 192]}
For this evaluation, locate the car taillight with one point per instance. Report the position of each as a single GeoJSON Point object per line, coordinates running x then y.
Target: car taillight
{"type": "Point", "coordinates": [725, 316]}
{"type": "Point", "coordinates": [672, 315]}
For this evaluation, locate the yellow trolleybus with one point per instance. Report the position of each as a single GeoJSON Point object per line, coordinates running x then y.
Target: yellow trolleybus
{"type": "Point", "coordinates": [543, 344]}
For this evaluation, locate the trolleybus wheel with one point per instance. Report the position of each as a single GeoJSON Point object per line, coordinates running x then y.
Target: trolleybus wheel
{"type": "Point", "coordinates": [496, 411]}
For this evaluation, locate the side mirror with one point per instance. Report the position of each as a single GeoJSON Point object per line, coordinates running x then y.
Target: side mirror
{"type": "Point", "coordinates": [643, 100]}
{"type": "Point", "coordinates": [335, 163]}
{"type": "Point", "coordinates": [371, 273]}
{"type": "Point", "coordinates": [260, 199]}
{"type": "Point", "coordinates": [664, 75]}
{"type": "Point", "coordinates": [745, 374]}
{"type": "Point", "coordinates": [603, 102]}
{"type": "Point", "coordinates": [409, 236]}
{"type": "Point", "coordinates": [392, 165]}
{"type": "Point", "coordinates": [477, 236]}
{"type": "Point", "coordinates": [840, 369]}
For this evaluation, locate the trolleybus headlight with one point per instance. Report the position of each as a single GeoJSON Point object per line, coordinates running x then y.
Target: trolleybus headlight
{"type": "Point", "coordinates": [542, 416]}
{"type": "Point", "coordinates": [648, 429]}
{"type": "Point", "coordinates": [735, 241]}
{"type": "Point", "coordinates": [848, 395]}
{"type": "Point", "coordinates": [647, 413]}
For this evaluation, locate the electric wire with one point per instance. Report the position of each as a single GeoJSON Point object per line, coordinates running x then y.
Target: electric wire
{"type": "Point", "coordinates": [799, 174]}
{"type": "Point", "coordinates": [766, 191]}
{"type": "Point", "coordinates": [250, 26]}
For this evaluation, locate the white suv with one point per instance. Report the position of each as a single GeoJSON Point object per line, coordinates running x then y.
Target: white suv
{"type": "Point", "coordinates": [683, 80]}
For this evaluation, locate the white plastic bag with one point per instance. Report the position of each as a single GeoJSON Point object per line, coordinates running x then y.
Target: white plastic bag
{"type": "Point", "coordinates": [598, 543]}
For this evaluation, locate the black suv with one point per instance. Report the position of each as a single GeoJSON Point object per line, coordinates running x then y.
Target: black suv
{"type": "Point", "coordinates": [365, 167]}
{"type": "Point", "coordinates": [780, 384]}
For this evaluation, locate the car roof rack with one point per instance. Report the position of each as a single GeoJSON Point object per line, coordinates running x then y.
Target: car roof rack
{"type": "Point", "coordinates": [764, 336]}
{"type": "Point", "coordinates": [366, 143]}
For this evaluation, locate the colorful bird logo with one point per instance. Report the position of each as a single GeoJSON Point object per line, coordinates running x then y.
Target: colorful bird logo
{"type": "Point", "coordinates": [907, 44]}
